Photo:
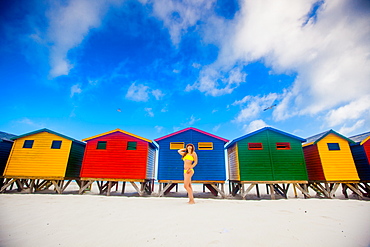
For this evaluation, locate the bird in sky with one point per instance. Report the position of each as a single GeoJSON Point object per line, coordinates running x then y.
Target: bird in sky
{"type": "Point", "coordinates": [270, 107]}
{"type": "Point", "coordinates": [119, 110]}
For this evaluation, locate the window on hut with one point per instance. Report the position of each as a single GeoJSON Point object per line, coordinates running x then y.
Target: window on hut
{"type": "Point", "coordinates": [255, 146]}
{"type": "Point", "coordinates": [177, 145]}
{"type": "Point", "coordinates": [333, 146]}
{"type": "Point", "coordinates": [101, 145]}
{"type": "Point", "coordinates": [282, 145]}
{"type": "Point", "coordinates": [28, 144]}
{"type": "Point", "coordinates": [56, 144]}
{"type": "Point", "coordinates": [131, 145]}
{"type": "Point", "coordinates": [205, 145]}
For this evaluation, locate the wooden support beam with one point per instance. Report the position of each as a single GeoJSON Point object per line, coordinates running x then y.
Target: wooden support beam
{"type": "Point", "coordinates": [272, 192]}
{"type": "Point", "coordinates": [66, 185]}
{"type": "Point", "coordinates": [303, 190]}
{"type": "Point", "coordinates": [221, 191]}
{"type": "Point", "coordinates": [161, 193]}
{"type": "Point", "coordinates": [137, 188]}
{"type": "Point", "coordinates": [32, 185]}
{"type": "Point", "coordinates": [354, 189]}
{"type": "Point", "coordinates": [7, 183]}
{"type": "Point", "coordinates": [109, 188]}
{"type": "Point", "coordinates": [84, 186]}
{"type": "Point", "coordinates": [244, 193]}
{"type": "Point", "coordinates": [333, 190]}
{"type": "Point", "coordinates": [57, 187]}
{"type": "Point", "coordinates": [123, 187]}
{"type": "Point", "coordinates": [279, 190]}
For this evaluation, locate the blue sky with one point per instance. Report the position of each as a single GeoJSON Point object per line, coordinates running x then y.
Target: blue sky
{"type": "Point", "coordinates": [83, 67]}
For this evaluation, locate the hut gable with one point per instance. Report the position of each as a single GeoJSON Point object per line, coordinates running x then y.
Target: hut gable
{"type": "Point", "coordinates": [118, 154]}
{"type": "Point", "coordinates": [42, 154]}
{"type": "Point", "coordinates": [361, 154]}
{"type": "Point", "coordinates": [269, 154]}
{"type": "Point", "coordinates": [210, 150]}
{"type": "Point", "coordinates": [335, 157]}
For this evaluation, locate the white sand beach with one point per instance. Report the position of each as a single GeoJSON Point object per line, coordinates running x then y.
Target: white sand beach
{"type": "Point", "coordinates": [98, 220]}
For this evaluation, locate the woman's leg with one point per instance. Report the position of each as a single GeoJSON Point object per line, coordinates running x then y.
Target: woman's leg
{"type": "Point", "coordinates": [188, 187]}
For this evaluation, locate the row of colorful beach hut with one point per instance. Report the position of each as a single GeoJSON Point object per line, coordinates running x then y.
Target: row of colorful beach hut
{"type": "Point", "coordinates": [44, 158]}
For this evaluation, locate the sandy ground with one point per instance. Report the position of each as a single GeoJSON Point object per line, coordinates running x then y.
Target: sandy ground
{"type": "Point", "coordinates": [48, 219]}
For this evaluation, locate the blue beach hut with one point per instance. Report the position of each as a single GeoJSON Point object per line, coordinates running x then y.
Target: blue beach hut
{"type": "Point", "coordinates": [361, 154]}
{"type": "Point", "coordinates": [211, 168]}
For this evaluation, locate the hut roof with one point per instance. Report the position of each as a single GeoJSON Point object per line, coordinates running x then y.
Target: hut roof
{"type": "Point", "coordinates": [361, 138]}
{"type": "Point", "coordinates": [264, 129]}
{"type": "Point", "coordinates": [316, 138]}
{"type": "Point", "coordinates": [191, 128]}
{"type": "Point", "coordinates": [122, 131]}
{"type": "Point", "coordinates": [6, 136]}
{"type": "Point", "coordinates": [49, 131]}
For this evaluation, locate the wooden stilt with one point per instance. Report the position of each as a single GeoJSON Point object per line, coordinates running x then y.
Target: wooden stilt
{"type": "Point", "coordinates": [109, 188]}
{"type": "Point", "coordinates": [136, 188]}
{"type": "Point", "coordinates": [272, 191]}
{"type": "Point", "coordinates": [123, 187]}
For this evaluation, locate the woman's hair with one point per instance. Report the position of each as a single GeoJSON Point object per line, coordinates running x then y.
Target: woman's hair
{"type": "Point", "coordinates": [186, 151]}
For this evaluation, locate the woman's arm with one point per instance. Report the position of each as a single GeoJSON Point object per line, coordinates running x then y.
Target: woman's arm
{"type": "Point", "coordinates": [181, 151]}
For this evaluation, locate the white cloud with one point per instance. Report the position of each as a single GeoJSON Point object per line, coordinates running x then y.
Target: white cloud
{"type": "Point", "coordinates": [178, 16]}
{"type": "Point", "coordinates": [157, 94]}
{"type": "Point", "coordinates": [141, 92]}
{"type": "Point", "coordinates": [354, 110]}
{"type": "Point", "coordinates": [158, 128]}
{"type": "Point", "coordinates": [254, 125]}
{"type": "Point", "coordinates": [29, 122]}
{"type": "Point", "coordinates": [329, 52]}
{"type": "Point", "coordinates": [75, 89]}
{"type": "Point", "coordinates": [138, 93]}
{"type": "Point", "coordinates": [69, 24]}
{"type": "Point", "coordinates": [347, 130]}
{"type": "Point", "coordinates": [149, 112]}
{"type": "Point", "coordinates": [254, 106]}
{"type": "Point", "coordinates": [215, 82]}
{"type": "Point", "coordinates": [192, 120]}
{"type": "Point", "coordinates": [216, 128]}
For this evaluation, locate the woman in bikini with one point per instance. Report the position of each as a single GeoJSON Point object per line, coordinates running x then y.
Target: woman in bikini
{"type": "Point", "coordinates": [190, 158]}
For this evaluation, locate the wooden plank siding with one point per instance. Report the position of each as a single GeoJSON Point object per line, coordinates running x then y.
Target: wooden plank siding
{"type": "Point", "coordinates": [75, 160]}
{"type": "Point", "coordinates": [40, 160]}
{"type": "Point", "coordinates": [338, 165]}
{"type": "Point", "coordinates": [313, 163]}
{"type": "Point", "coordinates": [266, 162]}
{"type": "Point", "coordinates": [5, 149]}
{"type": "Point", "coordinates": [211, 163]}
{"type": "Point", "coordinates": [255, 165]}
{"type": "Point", "coordinates": [288, 164]}
{"type": "Point", "coordinates": [116, 161]}
{"type": "Point", "coordinates": [361, 161]}
{"type": "Point", "coordinates": [150, 170]}
{"type": "Point", "coordinates": [233, 162]}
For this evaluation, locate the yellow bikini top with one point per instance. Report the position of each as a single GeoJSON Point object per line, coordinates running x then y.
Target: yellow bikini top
{"type": "Point", "coordinates": [188, 157]}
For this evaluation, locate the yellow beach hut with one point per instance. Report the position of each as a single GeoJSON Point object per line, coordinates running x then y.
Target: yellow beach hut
{"type": "Point", "coordinates": [329, 161]}
{"type": "Point", "coordinates": [43, 158]}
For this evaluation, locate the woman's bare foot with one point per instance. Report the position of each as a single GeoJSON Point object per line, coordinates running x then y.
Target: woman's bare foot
{"type": "Point", "coordinates": [191, 202]}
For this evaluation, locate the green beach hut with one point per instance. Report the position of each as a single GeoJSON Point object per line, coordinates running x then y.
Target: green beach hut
{"type": "Point", "coordinates": [267, 154]}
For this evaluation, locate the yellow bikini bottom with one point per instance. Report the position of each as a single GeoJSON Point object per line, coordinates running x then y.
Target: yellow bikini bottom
{"type": "Point", "coordinates": [185, 171]}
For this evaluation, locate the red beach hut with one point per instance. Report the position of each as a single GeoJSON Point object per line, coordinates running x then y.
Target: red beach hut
{"type": "Point", "coordinates": [116, 156]}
